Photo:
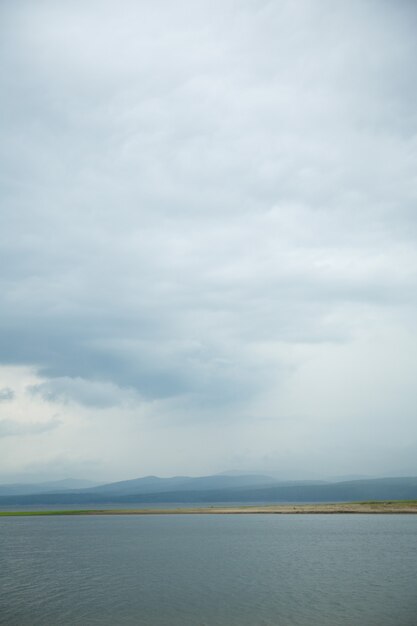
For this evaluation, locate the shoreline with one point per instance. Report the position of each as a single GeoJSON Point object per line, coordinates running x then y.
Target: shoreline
{"type": "Point", "coordinates": [334, 508]}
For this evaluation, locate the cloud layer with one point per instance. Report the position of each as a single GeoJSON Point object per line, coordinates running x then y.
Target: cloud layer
{"type": "Point", "coordinates": [208, 226]}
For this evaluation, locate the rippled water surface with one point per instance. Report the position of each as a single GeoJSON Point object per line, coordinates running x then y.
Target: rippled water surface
{"type": "Point", "coordinates": [209, 570]}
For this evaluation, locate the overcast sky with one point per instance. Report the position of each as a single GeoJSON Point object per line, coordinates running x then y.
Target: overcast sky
{"type": "Point", "coordinates": [208, 252]}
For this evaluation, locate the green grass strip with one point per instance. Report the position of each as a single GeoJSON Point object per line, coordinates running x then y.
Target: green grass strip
{"type": "Point", "coordinates": [31, 513]}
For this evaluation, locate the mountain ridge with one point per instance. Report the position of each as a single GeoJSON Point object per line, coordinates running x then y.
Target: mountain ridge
{"type": "Point", "coordinates": [391, 488]}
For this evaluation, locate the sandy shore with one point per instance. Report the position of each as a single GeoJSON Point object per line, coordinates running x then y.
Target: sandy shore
{"type": "Point", "coordinates": [277, 509]}
{"type": "Point", "coordinates": [384, 507]}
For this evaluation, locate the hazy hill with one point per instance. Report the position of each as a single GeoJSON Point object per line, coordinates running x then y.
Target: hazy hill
{"type": "Point", "coordinates": [154, 484]}
{"type": "Point", "coordinates": [219, 489]}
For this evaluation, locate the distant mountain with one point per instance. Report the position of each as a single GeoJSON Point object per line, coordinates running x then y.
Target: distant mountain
{"type": "Point", "coordinates": [348, 478]}
{"type": "Point", "coordinates": [250, 488]}
{"type": "Point", "coordinates": [154, 484]}
{"type": "Point", "coordinates": [52, 485]}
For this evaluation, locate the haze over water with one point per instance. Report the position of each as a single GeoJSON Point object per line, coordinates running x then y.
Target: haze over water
{"type": "Point", "coordinates": [209, 570]}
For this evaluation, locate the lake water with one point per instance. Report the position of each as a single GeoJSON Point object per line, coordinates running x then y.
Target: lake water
{"type": "Point", "coordinates": [289, 570]}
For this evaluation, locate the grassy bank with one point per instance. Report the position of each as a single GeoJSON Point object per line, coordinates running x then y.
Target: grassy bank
{"type": "Point", "coordinates": [32, 513]}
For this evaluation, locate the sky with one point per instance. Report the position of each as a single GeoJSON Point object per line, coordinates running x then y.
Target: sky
{"type": "Point", "coordinates": [208, 230]}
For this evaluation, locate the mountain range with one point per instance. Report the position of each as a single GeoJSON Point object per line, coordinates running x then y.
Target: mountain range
{"type": "Point", "coordinates": [219, 488]}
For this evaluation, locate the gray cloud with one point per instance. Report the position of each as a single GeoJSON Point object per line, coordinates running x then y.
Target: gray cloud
{"type": "Point", "coordinates": [13, 428]}
{"type": "Point", "coordinates": [6, 393]}
{"type": "Point", "coordinates": [188, 187]}
{"type": "Point", "coordinates": [84, 392]}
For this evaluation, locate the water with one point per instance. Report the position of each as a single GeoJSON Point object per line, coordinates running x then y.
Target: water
{"type": "Point", "coordinates": [310, 570]}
